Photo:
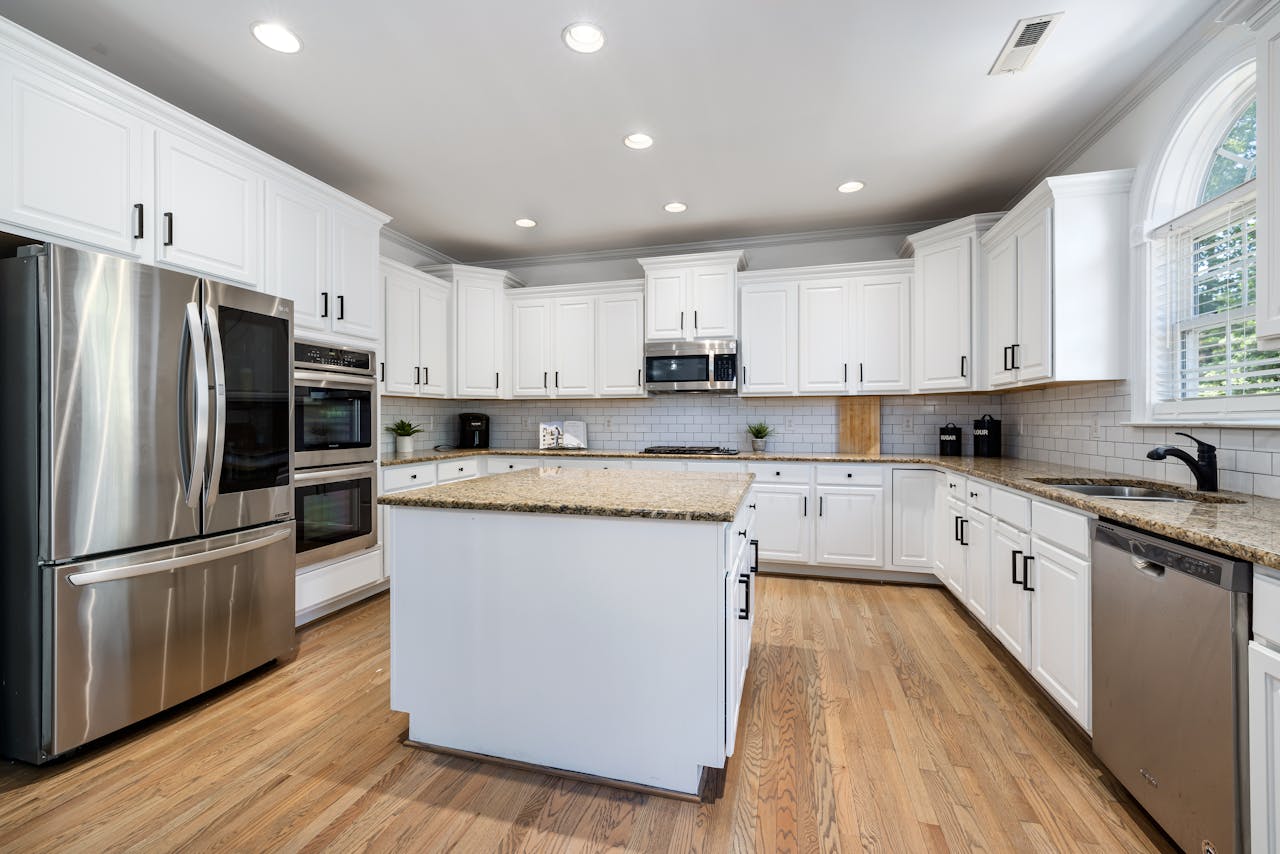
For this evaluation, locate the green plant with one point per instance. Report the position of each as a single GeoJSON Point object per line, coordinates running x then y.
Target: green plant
{"type": "Point", "coordinates": [403, 428]}
{"type": "Point", "coordinates": [760, 431]}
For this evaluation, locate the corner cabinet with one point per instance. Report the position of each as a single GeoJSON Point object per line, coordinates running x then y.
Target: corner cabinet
{"type": "Point", "coordinates": [416, 355]}
{"type": "Point", "coordinates": [691, 296]}
{"type": "Point", "coordinates": [1056, 283]}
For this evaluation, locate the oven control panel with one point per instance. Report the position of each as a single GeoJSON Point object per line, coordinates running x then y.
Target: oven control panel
{"type": "Point", "coordinates": [326, 358]}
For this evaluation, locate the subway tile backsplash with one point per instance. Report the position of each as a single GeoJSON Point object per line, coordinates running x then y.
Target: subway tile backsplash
{"type": "Point", "coordinates": [1078, 425]}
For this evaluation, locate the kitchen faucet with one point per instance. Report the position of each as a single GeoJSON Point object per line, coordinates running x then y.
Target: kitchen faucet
{"type": "Point", "coordinates": [1204, 466]}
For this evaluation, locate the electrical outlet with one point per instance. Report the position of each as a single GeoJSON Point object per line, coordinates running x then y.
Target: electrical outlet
{"type": "Point", "coordinates": [789, 425]}
{"type": "Point", "coordinates": [1095, 427]}
{"type": "Point", "coordinates": [431, 423]}
{"type": "Point", "coordinates": [608, 425]}
{"type": "Point", "coordinates": [526, 422]}
{"type": "Point", "coordinates": [908, 424]}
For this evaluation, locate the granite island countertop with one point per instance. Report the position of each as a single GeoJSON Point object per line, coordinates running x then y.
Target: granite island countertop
{"type": "Point", "coordinates": [687, 496]}
{"type": "Point", "coordinates": [1246, 527]}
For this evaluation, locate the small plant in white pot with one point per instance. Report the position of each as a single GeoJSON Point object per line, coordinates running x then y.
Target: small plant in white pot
{"type": "Point", "coordinates": [404, 432]}
{"type": "Point", "coordinates": [760, 434]}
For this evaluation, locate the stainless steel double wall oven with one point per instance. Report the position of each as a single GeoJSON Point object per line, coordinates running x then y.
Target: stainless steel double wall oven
{"type": "Point", "coordinates": [147, 448]}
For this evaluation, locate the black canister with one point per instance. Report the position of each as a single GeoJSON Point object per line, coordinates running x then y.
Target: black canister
{"type": "Point", "coordinates": [950, 440]}
{"type": "Point", "coordinates": [986, 437]}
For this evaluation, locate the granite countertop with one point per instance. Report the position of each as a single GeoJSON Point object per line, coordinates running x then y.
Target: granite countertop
{"type": "Point", "coordinates": [687, 496]}
{"type": "Point", "coordinates": [1246, 527]}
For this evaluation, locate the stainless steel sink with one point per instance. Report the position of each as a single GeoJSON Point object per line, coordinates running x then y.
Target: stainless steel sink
{"type": "Point", "coordinates": [1129, 493]}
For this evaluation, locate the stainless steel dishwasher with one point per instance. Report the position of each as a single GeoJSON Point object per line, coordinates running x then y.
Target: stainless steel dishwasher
{"type": "Point", "coordinates": [1170, 630]}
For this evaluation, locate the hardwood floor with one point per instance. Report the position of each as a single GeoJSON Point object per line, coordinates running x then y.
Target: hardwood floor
{"type": "Point", "coordinates": [876, 717]}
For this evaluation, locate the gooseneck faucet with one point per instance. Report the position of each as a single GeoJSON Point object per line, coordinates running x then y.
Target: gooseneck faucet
{"type": "Point", "coordinates": [1204, 466]}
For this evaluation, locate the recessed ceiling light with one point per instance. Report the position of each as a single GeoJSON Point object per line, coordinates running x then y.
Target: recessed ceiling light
{"type": "Point", "coordinates": [583, 37]}
{"type": "Point", "coordinates": [637, 140]}
{"type": "Point", "coordinates": [675, 207]}
{"type": "Point", "coordinates": [525, 222]}
{"type": "Point", "coordinates": [277, 37]}
{"type": "Point", "coordinates": [851, 186]}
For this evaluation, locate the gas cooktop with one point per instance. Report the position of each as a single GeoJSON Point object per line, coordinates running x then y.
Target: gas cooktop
{"type": "Point", "coordinates": [691, 450]}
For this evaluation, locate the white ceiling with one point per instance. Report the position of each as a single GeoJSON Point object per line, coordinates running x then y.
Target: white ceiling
{"type": "Point", "coordinates": [458, 117]}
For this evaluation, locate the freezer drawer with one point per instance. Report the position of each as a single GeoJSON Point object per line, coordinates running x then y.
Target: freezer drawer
{"type": "Point", "coordinates": [138, 633]}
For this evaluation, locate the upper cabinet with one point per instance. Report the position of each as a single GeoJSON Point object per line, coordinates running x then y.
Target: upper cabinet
{"type": "Point", "coordinates": [416, 343]}
{"type": "Point", "coordinates": [480, 308]}
{"type": "Point", "coordinates": [767, 352]}
{"type": "Point", "coordinates": [880, 330]}
{"type": "Point", "coordinates": [1056, 283]}
{"type": "Point", "coordinates": [298, 261]}
{"type": "Point", "coordinates": [620, 344]}
{"type": "Point", "coordinates": [691, 296]}
{"type": "Point", "coordinates": [942, 299]}
{"type": "Point", "coordinates": [356, 295]}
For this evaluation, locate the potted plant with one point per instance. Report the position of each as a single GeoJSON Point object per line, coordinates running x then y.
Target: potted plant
{"type": "Point", "coordinates": [760, 434]}
{"type": "Point", "coordinates": [404, 432]}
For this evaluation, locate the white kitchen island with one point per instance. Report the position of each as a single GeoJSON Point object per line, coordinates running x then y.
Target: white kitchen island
{"type": "Point", "coordinates": [590, 622]}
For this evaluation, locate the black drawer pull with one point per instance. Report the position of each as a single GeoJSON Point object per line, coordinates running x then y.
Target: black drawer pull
{"type": "Point", "coordinates": [1026, 574]}
{"type": "Point", "coordinates": [744, 613]}
{"type": "Point", "coordinates": [1013, 560]}
{"type": "Point", "coordinates": [755, 544]}
{"type": "Point", "coordinates": [140, 229]}
{"type": "Point", "coordinates": [168, 228]}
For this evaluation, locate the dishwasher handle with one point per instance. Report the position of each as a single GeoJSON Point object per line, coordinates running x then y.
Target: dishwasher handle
{"type": "Point", "coordinates": [1216, 569]}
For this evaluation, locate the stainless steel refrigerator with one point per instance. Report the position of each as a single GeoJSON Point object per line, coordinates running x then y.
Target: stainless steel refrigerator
{"type": "Point", "coordinates": [146, 449]}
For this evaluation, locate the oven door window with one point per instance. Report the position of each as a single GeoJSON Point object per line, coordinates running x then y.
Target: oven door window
{"type": "Point", "coordinates": [329, 513]}
{"type": "Point", "coordinates": [677, 369]}
{"type": "Point", "coordinates": [327, 419]}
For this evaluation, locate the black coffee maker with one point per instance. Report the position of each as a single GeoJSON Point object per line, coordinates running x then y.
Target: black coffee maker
{"type": "Point", "coordinates": [473, 430]}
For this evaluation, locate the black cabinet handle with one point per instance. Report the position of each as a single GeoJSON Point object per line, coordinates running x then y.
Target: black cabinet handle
{"type": "Point", "coordinates": [859, 372]}
{"type": "Point", "coordinates": [751, 507]}
{"type": "Point", "coordinates": [324, 303]}
{"type": "Point", "coordinates": [744, 374]}
{"type": "Point", "coordinates": [168, 228]}
{"type": "Point", "coordinates": [806, 505]}
{"type": "Point", "coordinates": [413, 477]}
{"type": "Point", "coordinates": [1006, 359]}
{"type": "Point", "coordinates": [1026, 574]}
{"type": "Point", "coordinates": [695, 318]}
{"type": "Point", "coordinates": [1014, 350]}
{"type": "Point", "coordinates": [426, 376]}
{"type": "Point", "coordinates": [638, 382]}
{"type": "Point", "coordinates": [138, 231]}
{"type": "Point", "coordinates": [742, 534]}
{"type": "Point", "coordinates": [819, 505]}
{"type": "Point", "coordinates": [417, 375]}
{"type": "Point", "coordinates": [342, 307]}
{"type": "Point", "coordinates": [755, 544]}
{"type": "Point", "coordinates": [1013, 561]}
{"type": "Point", "coordinates": [963, 365]}
{"type": "Point", "coordinates": [496, 383]}
{"type": "Point", "coordinates": [744, 613]}
{"type": "Point", "coordinates": [682, 320]}
{"type": "Point", "coordinates": [460, 468]}
{"type": "Point", "coordinates": [557, 379]}
{"type": "Point", "coordinates": [846, 371]}
{"type": "Point", "coordinates": [382, 372]}
{"type": "Point", "coordinates": [955, 530]}
{"type": "Point", "coordinates": [973, 495]}
{"type": "Point", "coordinates": [544, 379]}
{"type": "Point", "coordinates": [964, 527]}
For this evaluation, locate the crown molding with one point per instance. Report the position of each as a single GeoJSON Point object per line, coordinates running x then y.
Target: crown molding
{"type": "Point", "coordinates": [892, 266]}
{"type": "Point", "coordinates": [404, 241]}
{"type": "Point", "coordinates": [635, 286]}
{"type": "Point", "coordinates": [975, 225]}
{"type": "Point", "coordinates": [728, 245]}
{"type": "Point", "coordinates": [1251, 13]}
{"type": "Point", "coordinates": [451, 272]}
{"type": "Point", "coordinates": [735, 257]}
{"type": "Point", "coordinates": [1196, 38]}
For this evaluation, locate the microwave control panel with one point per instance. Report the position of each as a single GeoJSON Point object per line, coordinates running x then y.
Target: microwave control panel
{"type": "Point", "coordinates": [323, 357]}
{"type": "Point", "coordinates": [725, 367]}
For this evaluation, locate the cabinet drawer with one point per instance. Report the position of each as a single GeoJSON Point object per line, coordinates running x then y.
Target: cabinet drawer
{"type": "Point", "coordinates": [1266, 605]}
{"type": "Point", "coordinates": [1010, 507]}
{"type": "Point", "coordinates": [408, 477]}
{"type": "Point", "coordinates": [456, 470]}
{"type": "Point", "coordinates": [956, 485]}
{"type": "Point", "coordinates": [1060, 526]}
{"type": "Point", "coordinates": [978, 495]}
{"type": "Point", "coordinates": [780, 472]}
{"type": "Point", "coordinates": [714, 466]}
{"type": "Point", "coordinates": [498, 465]}
{"type": "Point", "coordinates": [337, 579]}
{"type": "Point", "coordinates": [850, 475]}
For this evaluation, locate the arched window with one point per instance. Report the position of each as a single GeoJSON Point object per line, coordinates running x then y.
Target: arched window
{"type": "Point", "coordinates": [1205, 361]}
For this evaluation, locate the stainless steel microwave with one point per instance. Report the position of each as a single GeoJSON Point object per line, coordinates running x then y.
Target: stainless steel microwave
{"type": "Point", "coordinates": [709, 366]}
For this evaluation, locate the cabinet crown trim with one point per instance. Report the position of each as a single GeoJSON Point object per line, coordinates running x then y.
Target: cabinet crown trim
{"type": "Point", "coordinates": [451, 272]}
{"type": "Point", "coordinates": [827, 271]}
{"type": "Point", "coordinates": [969, 225]}
{"type": "Point", "coordinates": [400, 267]}
{"type": "Point", "coordinates": [1060, 187]}
{"type": "Point", "coordinates": [621, 286]}
{"type": "Point", "coordinates": [737, 258]}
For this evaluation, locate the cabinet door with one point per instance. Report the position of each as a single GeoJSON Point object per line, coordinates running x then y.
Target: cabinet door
{"type": "Point", "coordinates": [824, 336]}
{"type": "Point", "coordinates": [1010, 604]}
{"type": "Point", "coordinates": [783, 526]}
{"type": "Point", "coordinates": [942, 309]}
{"type": "Point", "coordinates": [401, 373]}
{"type": "Point", "coordinates": [913, 527]}
{"type": "Point", "coordinates": [433, 339]}
{"type": "Point", "coordinates": [355, 275]}
{"type": "Point", "coordinates": [479, 329]}
{"type": "Point", "coordinates": [666, 298]}
{"type": "Point", "coordinates": [73, 164]}
{"type": "Point", "coordinates": [768, 345]}
{"type": "Point", "coordinates": [620, 345]}
{"type": "Point", "coordinates": [531, 348]}
{"type": "Point", "coordinates": [850, 526]}
{"type": "Point", "coordinates": [1264, 747]}
{"type": "Point", "coordinates": [575, 347]}
{"type": "Point", "coordinates": [1033, 356]}
{"type": "Point", "coordinates": [711, 297]}
{"type": "Point", "coordinates": [956, 576]}
{"type": "Point", "coordinates": [1268, 183]}
{"type": "Point", "coordinates": [943, 529]}
{"type": "Point", "coordinates": [1002, 311]}
{"type": "Point", "coordinates": [209, 218]}
{"type": "Point", "coordinates": [976, 542]}
{"type": "Point", "coordinates": [298, 253]}
{"type": "Point", "coordinates": [882, 334]}
{"type": "Point", "coordinates": [1060, 626]}
{"type": "Point", "coordinates": [733, 602]}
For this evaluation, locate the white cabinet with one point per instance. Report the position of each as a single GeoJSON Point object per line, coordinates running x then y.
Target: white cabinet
{"type": "Point", "coordinates": [210, 211]}
{"type": "Point", "coordinates": [1057, 282]}
{"type": "Point", "coordinates": [782, 522]}
{"type": "Point", "coordinates": [1268, 183]}
{"type": "Point", "coordinates": [297, 249]}
{"type": "Point", "coordinates": [1264, 746]}
{"type": "Point", "coordinates": [912, 518]}
{"type": "Point", "coordinates": [553, 344]}
{"type": "Point", "coordinates": [1010, 602]}
{"type": "Point", "coordinates": [620, 344]}
{"type": "Point", "coordinates": [74, 163]}
{"type": "Point", "coordinates": [691, 296]}
{"type": "Point", "coordinates": [768, 341]}
{"type": "Point", "coordinates": [480, 303]}
{"type": "Point", "coordinates": [849, 530]}
{"type": "Point", "coordinates": [574, 359]}
{"type": "Point", "coordinates": [1059, 585]}
{"type": "Point", "coordinates": [955, 566]}
{"type": "Point", "coordinates": [975, 540]}
{"type": "Point", "coordinates": [531, 348]}
{"type": "Point", "coordinates": [881, 333]}
{"type": "Point", "coordinates": [416, 346]}
{"type": "Point", "coordinates": [355, 284]}
{"type": "Point", "coordinates": [824, 336]}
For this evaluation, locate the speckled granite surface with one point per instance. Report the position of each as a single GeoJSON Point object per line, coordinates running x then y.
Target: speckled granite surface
{"type": "Point", "coordinates": [1248, 528]}
{"type": "Point", "coordinates": [687, 496]}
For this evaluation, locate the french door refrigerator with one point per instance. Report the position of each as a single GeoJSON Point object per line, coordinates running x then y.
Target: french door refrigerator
{"type": "Point", "coordinates": [146, 446]}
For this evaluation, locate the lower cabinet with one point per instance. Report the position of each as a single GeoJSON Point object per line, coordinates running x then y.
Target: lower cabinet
{"type": "Point", "coordinates": [975, 540]}
{"type": "Point", "coordinates": [912, 517]}
{"type": "Point", "coordinates": [1059, 587]}
{"type": "Point", "coordinates": [1264, 746]}
{"type": "Point", "coordinates": [952, 565]}
{"type": "Point", "coordinates": [1010, 606]}
{"type": "Point", "coordinates": [782, 522]}
{"type": "Point", "coordinates": [850, 526]}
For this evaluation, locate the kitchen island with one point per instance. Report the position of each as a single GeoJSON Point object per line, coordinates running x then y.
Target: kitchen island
{"type": "Point", "coordinates": [595, 623]}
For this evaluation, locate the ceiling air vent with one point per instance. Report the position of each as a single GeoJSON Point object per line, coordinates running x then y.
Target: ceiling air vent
{"type": "Point", "coordinates": [1026, 38]}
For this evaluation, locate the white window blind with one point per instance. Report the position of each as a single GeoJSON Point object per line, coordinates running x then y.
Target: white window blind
{"type": "Point", "coordinates": [1204, 301]}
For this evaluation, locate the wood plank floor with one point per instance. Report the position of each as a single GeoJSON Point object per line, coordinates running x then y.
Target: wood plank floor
{"type": "Point", "coordinates": [876, 718]}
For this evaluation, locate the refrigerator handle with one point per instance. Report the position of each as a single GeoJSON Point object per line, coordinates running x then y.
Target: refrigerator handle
{"type": "Point", "coordinates": [214, 474]}
{"type": "Point", "coordinates": [120, 573]}
{"type": "Point", "coordinates": [200, 362]}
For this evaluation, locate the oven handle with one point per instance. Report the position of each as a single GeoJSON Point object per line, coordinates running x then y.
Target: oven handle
{"type": "Point", "coordinates": [347, 473]}
{"type": "Point", "coordinates": [325, 380]}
